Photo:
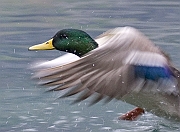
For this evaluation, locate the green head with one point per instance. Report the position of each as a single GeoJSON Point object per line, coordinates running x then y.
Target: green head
{"type": "Point", "coordinates": [69, 40]}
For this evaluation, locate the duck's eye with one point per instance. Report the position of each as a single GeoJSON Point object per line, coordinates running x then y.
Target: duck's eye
{"type": "Point", "coordinates": [47, 42]}
{"type": "Point", "coordinates": [64, 36]}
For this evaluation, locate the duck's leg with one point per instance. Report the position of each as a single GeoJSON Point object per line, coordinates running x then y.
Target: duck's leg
{"type": "Point", "coordinates": [132, 115]}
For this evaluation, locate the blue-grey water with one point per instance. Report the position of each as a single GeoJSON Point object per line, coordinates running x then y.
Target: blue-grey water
{"type": "Point", "coordinates": [24, 106]}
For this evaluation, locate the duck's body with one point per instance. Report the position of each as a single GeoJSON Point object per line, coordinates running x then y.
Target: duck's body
{"type": "Point", "coordinates": [125, 66]}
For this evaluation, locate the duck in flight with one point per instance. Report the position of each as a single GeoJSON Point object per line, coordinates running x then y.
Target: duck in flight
{"type": "Point", "coordinates": [122, 63]}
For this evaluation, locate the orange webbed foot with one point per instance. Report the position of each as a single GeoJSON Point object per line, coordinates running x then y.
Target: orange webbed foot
{"type": "Point", "coordinates": [132, 115]}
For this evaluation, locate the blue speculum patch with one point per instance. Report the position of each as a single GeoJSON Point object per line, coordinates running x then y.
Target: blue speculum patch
{"type": "Point", "coordinates": [152, 72]}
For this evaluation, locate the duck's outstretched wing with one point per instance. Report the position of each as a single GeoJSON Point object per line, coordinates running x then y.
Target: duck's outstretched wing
{"type": "Point", "coordinates": [62, 60]}
{"type": "Point", "coordinates": [126, 66]}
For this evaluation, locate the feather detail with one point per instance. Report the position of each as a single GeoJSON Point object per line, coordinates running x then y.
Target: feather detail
{"type": "Point", "coordinates": [152, 72]}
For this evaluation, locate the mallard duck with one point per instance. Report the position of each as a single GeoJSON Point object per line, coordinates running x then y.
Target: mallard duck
{"type": "Point", "coordinates": [122, 63]}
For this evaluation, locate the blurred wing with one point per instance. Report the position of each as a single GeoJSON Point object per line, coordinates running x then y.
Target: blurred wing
{"type": "Point", "coordinates": [126, 62]}
{"type": "Point", "coordinates": [62, 60]}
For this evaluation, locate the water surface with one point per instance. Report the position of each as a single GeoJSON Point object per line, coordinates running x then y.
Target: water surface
{"type": "Point", "coordinates": [24, 106]}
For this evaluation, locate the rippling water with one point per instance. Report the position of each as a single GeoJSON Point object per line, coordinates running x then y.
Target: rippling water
{"type": "Point", "coordinates": [26, 107]}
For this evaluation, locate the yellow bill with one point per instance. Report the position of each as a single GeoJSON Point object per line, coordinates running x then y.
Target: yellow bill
{"type": "Point", "coordinates": [44, 46]}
